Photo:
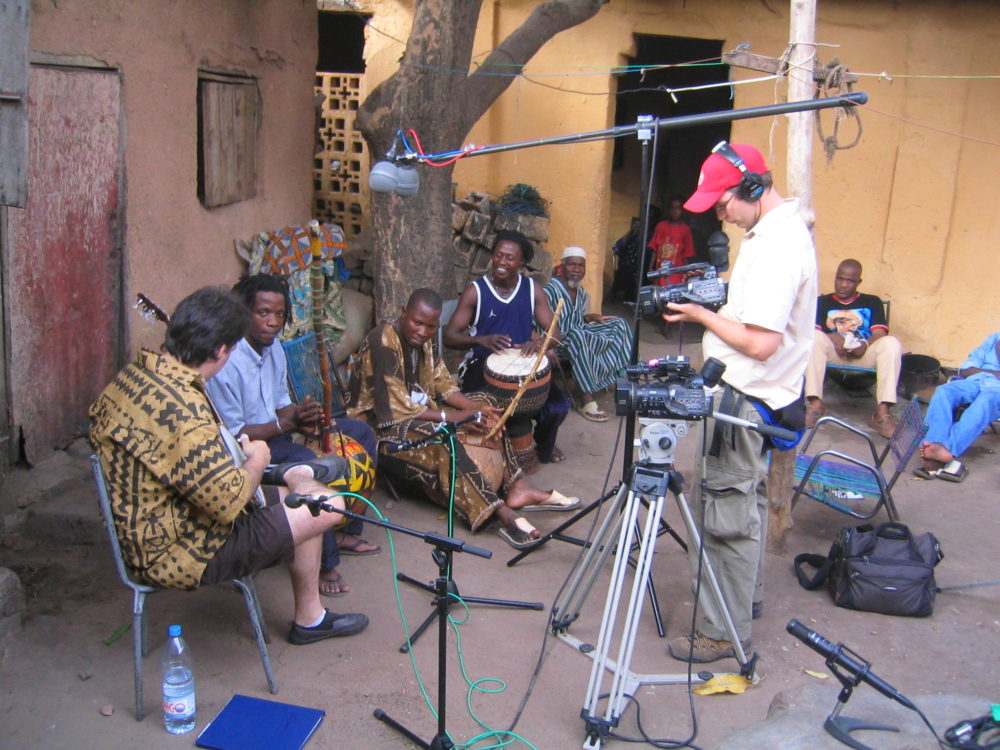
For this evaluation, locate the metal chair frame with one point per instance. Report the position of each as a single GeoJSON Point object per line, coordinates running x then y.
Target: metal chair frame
{"type": "Point", "coordinates": [850, 472]}
{"type": "Point", "coordinates": [140, 590]}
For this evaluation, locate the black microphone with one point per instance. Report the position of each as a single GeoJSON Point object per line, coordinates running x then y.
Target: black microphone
{"type": "Point", "coordinates": [295, 500]}
{"type": "Point", "coordinates": [718, 250]}
{"type": "Point", "coordinates": [474, 417]}
{"type": "Point", "coordinates": [835, 654]}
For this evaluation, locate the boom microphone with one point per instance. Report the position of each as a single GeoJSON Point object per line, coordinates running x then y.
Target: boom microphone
{"type": "Point", "coordinates": [834, 655]}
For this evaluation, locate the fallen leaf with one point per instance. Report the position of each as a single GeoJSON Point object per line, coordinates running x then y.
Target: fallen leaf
{"type": "Point", "coordinates": [821, 675]}
{"type": "Point", "coordinates": [727, 683]}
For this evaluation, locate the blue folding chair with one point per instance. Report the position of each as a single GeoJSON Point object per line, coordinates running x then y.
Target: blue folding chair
{"type": "Point", "coordinates": [832, 477]}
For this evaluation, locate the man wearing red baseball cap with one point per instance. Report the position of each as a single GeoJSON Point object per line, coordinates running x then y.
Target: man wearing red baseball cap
{"type": "Point", "coordinates": [763, 334]}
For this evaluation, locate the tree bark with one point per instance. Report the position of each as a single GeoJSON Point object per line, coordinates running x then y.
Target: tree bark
{"type": "Point", "coordinates": [434, 94]}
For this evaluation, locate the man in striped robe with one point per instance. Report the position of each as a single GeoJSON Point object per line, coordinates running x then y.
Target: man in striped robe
{"type": "Point", "coordinates": [598, 345]}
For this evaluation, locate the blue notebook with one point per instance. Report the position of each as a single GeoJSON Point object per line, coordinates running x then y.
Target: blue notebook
{"type": "Point", "coordinates": [246, 723]}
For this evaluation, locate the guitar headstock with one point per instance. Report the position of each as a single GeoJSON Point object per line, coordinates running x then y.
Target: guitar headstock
{"type": "Point", "coordinates": [149, 309]}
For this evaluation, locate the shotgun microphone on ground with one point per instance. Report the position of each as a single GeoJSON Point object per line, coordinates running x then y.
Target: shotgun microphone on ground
{"type": "Point", "coordinates": [839, 655]}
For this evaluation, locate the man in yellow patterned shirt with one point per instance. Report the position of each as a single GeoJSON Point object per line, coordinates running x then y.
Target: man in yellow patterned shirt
{"type": "Point", "coordinates": [185, 513]}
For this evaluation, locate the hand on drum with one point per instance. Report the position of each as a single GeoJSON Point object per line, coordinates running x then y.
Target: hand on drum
{"type": "Point", "coordinates": [530, 348]}
{"type": "Point", "coordinates": [495, 342]}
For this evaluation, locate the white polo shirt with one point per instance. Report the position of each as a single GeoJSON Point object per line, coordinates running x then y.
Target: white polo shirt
{"type": "Point", "coordinates": [773, 285]}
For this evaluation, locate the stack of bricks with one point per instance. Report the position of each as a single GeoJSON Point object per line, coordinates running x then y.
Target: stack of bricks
{"type": "Point", "coordinates": [475, 221]}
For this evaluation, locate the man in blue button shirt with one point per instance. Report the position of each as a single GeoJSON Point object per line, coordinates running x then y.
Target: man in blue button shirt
{"type": "Point", "coordinates": [978, 389]}
{"type": "Point", "coordinates": [251, 395]}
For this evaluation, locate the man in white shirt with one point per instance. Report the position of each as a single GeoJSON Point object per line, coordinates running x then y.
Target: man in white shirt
{"type": "Point", "coordinates": [763, 334]}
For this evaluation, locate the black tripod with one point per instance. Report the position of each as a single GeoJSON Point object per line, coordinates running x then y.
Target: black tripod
{"type": "Point", "coordinates": [445, 598]}
{"type": "Point", "coordinates": [444, 548]}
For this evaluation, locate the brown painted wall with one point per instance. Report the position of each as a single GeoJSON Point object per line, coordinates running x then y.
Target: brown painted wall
{"type": "Point", "coordinates": [172, 244]}
{"type": "Point", "coordinates": [912, 203]}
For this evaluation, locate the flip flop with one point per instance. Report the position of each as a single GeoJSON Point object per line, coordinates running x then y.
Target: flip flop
{"type": "Point", "coordinates": [325, 469]}
{"type": "Point", "coordinates": [352, 549]}
{"type": "Point", "coordinates": [556, 501]}
{"type": "Point", "coordinates": [336, 582]}
{"type": "Point", "coordinates": [592, 411]}
{"type": "Point", "coordinates": [517, 536]}
{"type": "Point", "coordinates": [953, 471]}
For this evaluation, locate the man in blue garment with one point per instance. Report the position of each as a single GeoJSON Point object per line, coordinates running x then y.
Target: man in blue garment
{"type": "Point", "coordinates": [978, 389]}
{"type": "Point", "coordinates": [251, 395]}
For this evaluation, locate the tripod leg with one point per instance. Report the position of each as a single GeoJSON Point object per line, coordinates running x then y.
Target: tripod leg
{"type": "Point", "coordinates": [713, 583]}
{"type": "Point", "coordinates": [419, 630]}
{"type": "Point", "coordinates": [611, 603]}
{"type": "Point", "coordinates": [630, 626]}
{"type": "Point", "coordinates": [567, 608]}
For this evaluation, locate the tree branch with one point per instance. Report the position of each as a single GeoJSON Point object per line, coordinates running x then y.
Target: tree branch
{"type": "Point", "coordinates": [483, 87]}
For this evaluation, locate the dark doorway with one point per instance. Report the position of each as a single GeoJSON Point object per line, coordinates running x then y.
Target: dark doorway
{"type": "Point", "coordinates": [341, 42]}
{"type": "Point", "coordinates": [680, 151]}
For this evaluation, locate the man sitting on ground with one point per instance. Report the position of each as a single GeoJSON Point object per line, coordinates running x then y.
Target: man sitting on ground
{"type": "Point", "coordinates": [978, 390]}
{"type": "Point", "coordinates": [184, 512]}
{"type": "Point", "coordinates": [251, 394]}
{"type": "Point", "coordinates": [851, 329]}
{"type": "Point", "coordinates": [404, 389]}
{"type": "Point", "coordinates": [599, 345]}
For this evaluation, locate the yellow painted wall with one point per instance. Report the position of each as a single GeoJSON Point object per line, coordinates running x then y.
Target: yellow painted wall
{"type": "Point", "coordinates": [913, 201]}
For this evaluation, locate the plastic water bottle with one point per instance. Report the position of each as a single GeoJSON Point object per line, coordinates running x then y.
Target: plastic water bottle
{"type": "Point", "coordinates": [178, 684]}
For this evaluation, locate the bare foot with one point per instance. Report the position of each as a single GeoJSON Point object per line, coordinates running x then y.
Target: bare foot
{"type": "Point", "coordinates": [522, 493]}
{"type": "Point", "coordinates": [935, 455]}
{"type": "Point", "coordinates": [331, 583]}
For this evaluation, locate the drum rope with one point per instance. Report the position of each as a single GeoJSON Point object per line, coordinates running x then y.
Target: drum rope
{"type": "Point", "coordinates": [531, 375]}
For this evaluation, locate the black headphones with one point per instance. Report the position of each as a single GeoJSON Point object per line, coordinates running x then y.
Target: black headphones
{"type": "Point", "coordinates": [751, 186]}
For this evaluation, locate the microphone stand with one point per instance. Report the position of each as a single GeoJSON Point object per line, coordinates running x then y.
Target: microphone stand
{"type": "Point", "coordinates": [444, 549]}
{"type": "Point", "coordinates": [446, 598]}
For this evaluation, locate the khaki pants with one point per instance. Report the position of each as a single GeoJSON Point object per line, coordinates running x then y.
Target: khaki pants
{"type": "Point", "coordinates": [734, 529]}
{"type": "Point", "coordinates": [883, 354]}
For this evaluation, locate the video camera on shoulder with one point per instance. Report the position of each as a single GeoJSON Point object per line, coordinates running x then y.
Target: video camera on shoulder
{"type": "Point", "coordinates": [668, 388]}
{"type": "Point", "coordinates": [707, 289]}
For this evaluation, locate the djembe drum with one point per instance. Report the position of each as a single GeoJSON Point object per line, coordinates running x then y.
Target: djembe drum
{"type": "Point", "coordinates": [504, 372]}
{"type": "Point", "coordinates": [360, 477]}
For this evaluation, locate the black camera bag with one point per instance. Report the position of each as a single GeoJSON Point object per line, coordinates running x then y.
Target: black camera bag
{"type": "Point", "coordinates": [881, 569]}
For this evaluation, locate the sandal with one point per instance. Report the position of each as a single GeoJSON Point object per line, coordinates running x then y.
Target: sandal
{"type": "Point", "coordinates": [557, 457]}
{"type": "Point", "coordinates": [592, 411]}
{"type": "Point", "coordinates": [953, 471]}
{"type": "Point", "coordinates": [356, 545]}
{"type": "Point", "coordinates": [556, 501]}
{"type": "Point", "coordinates": [334, 586]}
{"type": "Point", "coordinates": [517, 535]}
{"type": "Point", "coordinates": [886, 426]}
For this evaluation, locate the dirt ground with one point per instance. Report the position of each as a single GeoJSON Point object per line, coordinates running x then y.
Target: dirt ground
{"type": "Point", "coordinates": [60, 674]}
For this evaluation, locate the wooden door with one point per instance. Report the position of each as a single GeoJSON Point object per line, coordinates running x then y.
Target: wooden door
{"type": "Point", "coordinates": [64, 257]}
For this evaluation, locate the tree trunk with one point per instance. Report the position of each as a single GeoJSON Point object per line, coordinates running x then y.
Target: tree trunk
{"type": "Point", "coordinates": [433, 94]}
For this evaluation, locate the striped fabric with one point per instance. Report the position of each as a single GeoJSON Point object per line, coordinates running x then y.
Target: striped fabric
{"type": "Point", "coordinates": [597, 350]}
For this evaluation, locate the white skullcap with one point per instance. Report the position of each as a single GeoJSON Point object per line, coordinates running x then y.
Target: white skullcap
{"type": "Point", "coordinates": [574, 252]}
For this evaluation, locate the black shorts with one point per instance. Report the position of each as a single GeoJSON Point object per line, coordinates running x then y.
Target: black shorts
{"type": "Point", "coordinates": [259, 539]}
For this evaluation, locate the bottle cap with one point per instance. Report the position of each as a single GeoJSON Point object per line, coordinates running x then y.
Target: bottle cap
{"type": "Point", "coordinates": [173, 631]}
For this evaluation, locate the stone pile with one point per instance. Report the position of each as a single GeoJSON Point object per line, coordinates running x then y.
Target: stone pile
{"type": "Point", "coordinates": [475, 221]}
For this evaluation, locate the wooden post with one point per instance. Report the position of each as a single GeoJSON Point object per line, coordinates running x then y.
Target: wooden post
{"type": "Point", "coordinates": [802, 37]}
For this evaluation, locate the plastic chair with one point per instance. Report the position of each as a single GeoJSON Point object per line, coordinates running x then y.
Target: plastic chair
{"type": "Point", "coordinates": [140, 630]}
{"type": "Point", "coordinates": [835, 471]}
